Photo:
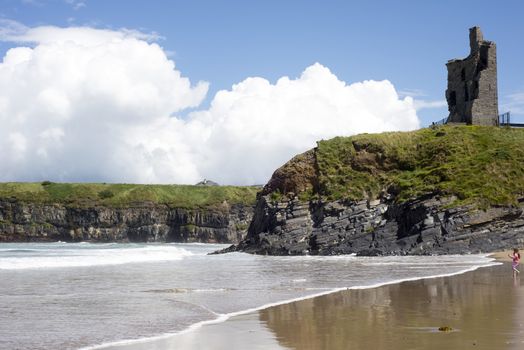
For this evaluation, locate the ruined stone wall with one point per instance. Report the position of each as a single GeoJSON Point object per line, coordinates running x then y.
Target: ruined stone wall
{"type": "Point", "coordinates": [472, 83]}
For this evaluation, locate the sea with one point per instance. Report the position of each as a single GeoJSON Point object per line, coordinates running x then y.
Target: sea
{"type": "Point", "coordinates": [93, 295]}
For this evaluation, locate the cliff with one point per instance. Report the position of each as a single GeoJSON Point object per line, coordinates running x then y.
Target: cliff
{"type": "Point", "coordinates": [442, 190]}
{"type": "Point", "coordinates": [123, 213]}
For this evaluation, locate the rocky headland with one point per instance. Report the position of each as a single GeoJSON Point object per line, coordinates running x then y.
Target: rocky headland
{"type": "Point", "coordinates": [441, 190]}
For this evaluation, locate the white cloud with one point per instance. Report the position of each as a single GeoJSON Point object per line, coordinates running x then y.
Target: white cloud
{"type": "Point", "coordinates": [412, 93]}
{"type": "Point", "coordinates": [256, 126]}
{"type": "Point", "coordinates": [10, 29]}
{"type": "Point", "coordinates": [76, 4]}
{"type": "Point", "coordinates": [424, 104]}
{"type": "Point", "coordinates": [14, 31]}
{"type": "Point", "coordinates": [419, 102]}
{"type": "Point", "coordinates": [84, 104]}
{"type": "Point", "coordinates": [514, 102]}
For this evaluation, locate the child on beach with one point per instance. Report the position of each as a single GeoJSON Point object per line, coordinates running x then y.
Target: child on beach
{"type": "Point", "coordinates": [516, 260]}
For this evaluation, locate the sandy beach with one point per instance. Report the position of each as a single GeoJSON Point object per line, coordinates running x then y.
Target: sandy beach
{"type": "Point", "coordinates": [483, 308]}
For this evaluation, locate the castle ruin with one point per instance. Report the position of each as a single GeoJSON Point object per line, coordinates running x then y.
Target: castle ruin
{"type": "Point", "coordinates": [472, 84]}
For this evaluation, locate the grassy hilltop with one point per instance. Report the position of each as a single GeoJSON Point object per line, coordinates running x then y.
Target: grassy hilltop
{"type": "Point", "coordinates": [479, 165]}
{"type": "Point", "coordinates": [123, 195]}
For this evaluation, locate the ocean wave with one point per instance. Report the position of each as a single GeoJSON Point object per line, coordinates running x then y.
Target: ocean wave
{"type": "Point", "coordinates": [92, 257]}
{"type": "Point", "coordinates": [18, 250]}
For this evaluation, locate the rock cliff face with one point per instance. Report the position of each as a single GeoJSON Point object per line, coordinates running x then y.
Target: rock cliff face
{"type": "Point", "coordinates": [441, 190]}
{"type": "Point", "coordinates": [381, 227]}
{"type": "Point", "coordinates": [23, 222]}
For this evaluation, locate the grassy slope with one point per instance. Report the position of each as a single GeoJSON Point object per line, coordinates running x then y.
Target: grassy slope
{"type": "Point", "coordinates": [481, 165]}
{"type": "Point", "coordinates": [122, 195]}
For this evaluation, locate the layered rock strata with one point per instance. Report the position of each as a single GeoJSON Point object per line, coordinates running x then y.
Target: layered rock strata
{"type": "Point", "coordinates": [29, 222]}
{"type": "Point", "coordinates": [380, 227]}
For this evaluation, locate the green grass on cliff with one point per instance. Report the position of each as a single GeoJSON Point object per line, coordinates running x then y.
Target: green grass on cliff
{"type": "Point", "coordinates": [479, 165]}
{"type": "Point", "coordinates": [123, 195]}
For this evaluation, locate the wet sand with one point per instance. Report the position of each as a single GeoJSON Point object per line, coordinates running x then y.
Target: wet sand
{"type": "Point", "coordinates": [484, 308]}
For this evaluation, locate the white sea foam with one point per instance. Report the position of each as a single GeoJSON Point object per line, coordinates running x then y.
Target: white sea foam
{"type": "Point", "coordinates": [210, 290]}
{"type": "Point", "coordinates": [299, 280]}
{"type": "Point", "coordinates": [106, 255]}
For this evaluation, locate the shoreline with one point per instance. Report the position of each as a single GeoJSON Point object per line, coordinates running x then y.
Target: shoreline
{"type": "Point", "coordinates": [481, 307]}
{"type": "Point", "coordinates": [157, 341]}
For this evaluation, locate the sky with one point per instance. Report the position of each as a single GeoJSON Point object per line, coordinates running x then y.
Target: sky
{"type": "Point", "coordinates": [178, 91]}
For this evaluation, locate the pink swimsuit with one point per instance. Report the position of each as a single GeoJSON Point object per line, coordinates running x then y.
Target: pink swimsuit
{"type": "Point", "coordinates": [516, 260]}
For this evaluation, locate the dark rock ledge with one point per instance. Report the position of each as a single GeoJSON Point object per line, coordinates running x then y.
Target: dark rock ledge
{"type": "Point", "coordinates": [425, 226]}
{"type": "Point", "coordinates": [146, 222]}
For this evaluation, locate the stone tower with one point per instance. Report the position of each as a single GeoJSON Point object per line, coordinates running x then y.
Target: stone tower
{"type": "Point", "coordinates": [472, 83]}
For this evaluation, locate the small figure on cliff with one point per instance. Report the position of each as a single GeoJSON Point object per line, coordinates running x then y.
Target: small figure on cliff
{"type": "Point", "coordinates": [516, 260]}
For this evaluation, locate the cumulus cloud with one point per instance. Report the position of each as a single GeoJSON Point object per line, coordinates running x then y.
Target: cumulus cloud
{"type": "Point", "coordinates": [257, 126]}
{"type": "Point", "coordinates": [68, 106]}
{"type": "Point", "coordinates": [85, 104]}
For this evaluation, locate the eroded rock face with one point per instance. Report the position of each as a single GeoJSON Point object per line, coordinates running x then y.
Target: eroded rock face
{"type": "Point", "coordinates": [23, 222]}
{"type": "Point", "coordinates": [297, 175]}
{"type": "Point", "coordinates": [380, 227]}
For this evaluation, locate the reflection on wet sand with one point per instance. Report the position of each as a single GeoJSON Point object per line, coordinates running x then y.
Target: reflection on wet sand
{"type": "Point", "coordinates": [481, 307]}
{"type": "Point", "coordinates": [484, 308]}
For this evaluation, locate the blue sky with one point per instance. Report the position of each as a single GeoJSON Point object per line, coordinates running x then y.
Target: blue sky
{"type": "Point", "coordinates": [223, 42]}
{"type": "Point", "coordinates": [178, 91]}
